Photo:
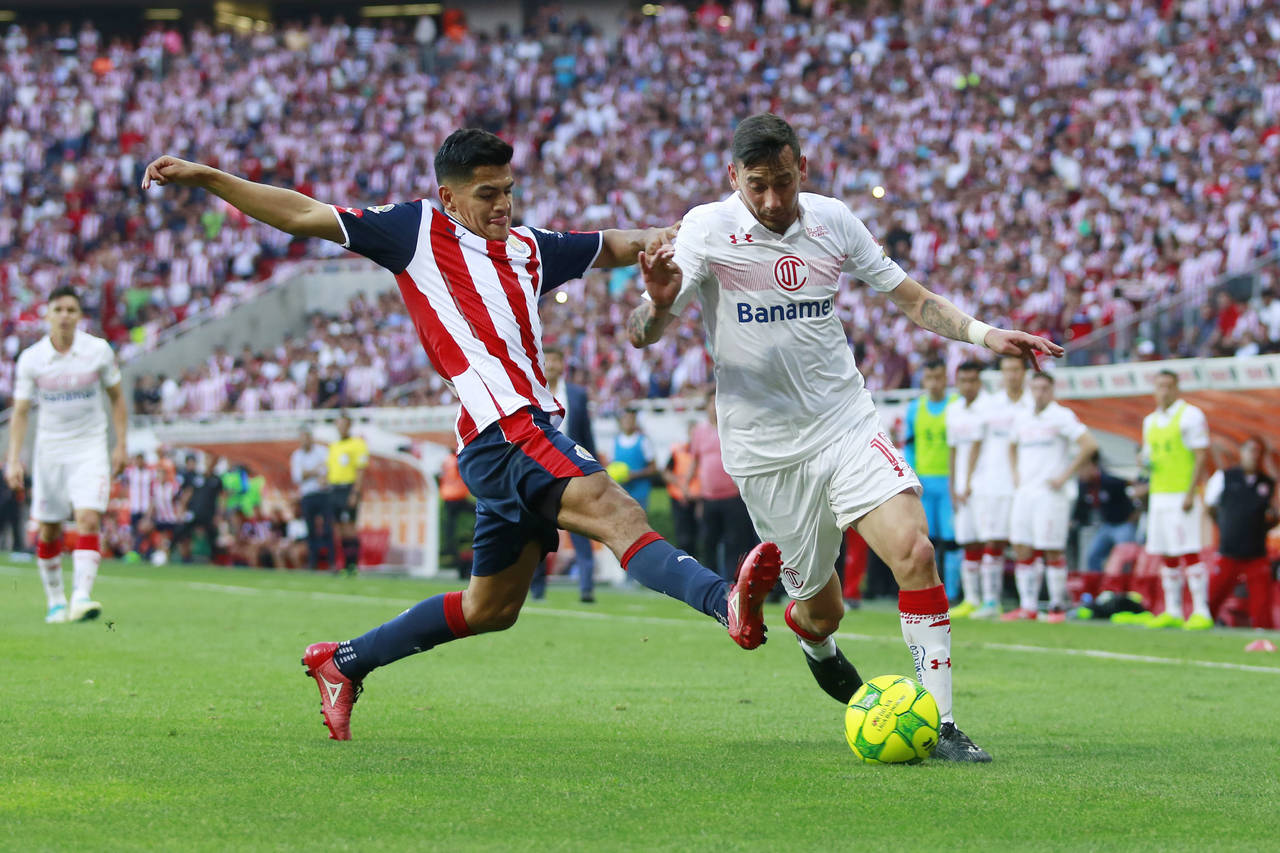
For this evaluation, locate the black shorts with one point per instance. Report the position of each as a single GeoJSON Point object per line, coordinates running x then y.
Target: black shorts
{"type": "Point", "coordinates": [343, 511]}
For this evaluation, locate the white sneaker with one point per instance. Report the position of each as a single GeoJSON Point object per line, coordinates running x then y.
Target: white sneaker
{"type": "Point", "coordinates": [986, 611]}
{"type": "Point", "coordinates": [84, 610]}
{"type": "Point", "coordinates": [57, 613]}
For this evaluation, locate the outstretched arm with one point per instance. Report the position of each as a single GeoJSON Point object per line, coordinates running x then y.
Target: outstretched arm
{"type": "Point", "coordinates": [937, 314]}
{"type": "Point", "coordinates": [662, 280]}
{"type": "Point", "coordinates": [623, 248]}
{"type": "Point", "coordinates": [286, 210]}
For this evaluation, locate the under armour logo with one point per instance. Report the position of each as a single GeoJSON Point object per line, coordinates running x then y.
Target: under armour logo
{"type": "Point", "coordinates": [937, 664]}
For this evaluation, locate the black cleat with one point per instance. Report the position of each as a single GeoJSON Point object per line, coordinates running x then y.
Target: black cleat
{"type": "Point", "coordinates": [836, 676]}
{"type": "Point", "coordinates": [954, 745]}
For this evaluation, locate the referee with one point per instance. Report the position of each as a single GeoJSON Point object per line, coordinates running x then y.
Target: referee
{"type": "Point", "coordinates": [348, 457]}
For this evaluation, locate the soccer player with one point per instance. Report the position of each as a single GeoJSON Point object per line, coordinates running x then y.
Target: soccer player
{"type": "Point", "coordinates": [992, 479]}
{"type": "Point", "coordinates": [1175, 438]}
{"type": "Point", "coordinates": [927, 452]}
{"type": "Point", "coordinates": [1047, 446]}
{"type": "Point", "coordinates": [471, 281]}
{"type": "Point", "coordinates": [964, 431]}
{"type": "Point", "coordinates": [67, 372]}
{"type": "Point", "coordinates": [348, 457]}
{"type": "Point", "coordinates": [799, 432]}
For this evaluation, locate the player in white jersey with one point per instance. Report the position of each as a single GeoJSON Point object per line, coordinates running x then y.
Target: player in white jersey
{"type": "Point", "coordinates": [964, 430]}
{"type": "Point", "coordinates": [992, 479]}
{"type": "Point", "coordinates": [1047, 446]}
{"type": "Point", "coordinates": [67, 373]}
{"type": "Point", "coordinates": [798, 430]}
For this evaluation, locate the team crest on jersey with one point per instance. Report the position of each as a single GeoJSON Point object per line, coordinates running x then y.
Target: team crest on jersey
{"type": "Point", "coordinates": [582, 451]}
{"type": "Point", "coordinates": [517, 247]}
{"type": "Point", "coordinates": [381, 208]}
{"type": "Point", "coordinates": [790, 272]}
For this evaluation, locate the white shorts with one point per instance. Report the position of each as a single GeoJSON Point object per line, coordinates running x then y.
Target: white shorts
{"type": "Point", "coordinates": [1170, 531]}
{"type": "Point", "coordinates": [1039, 519]}
{"type": "Point", "coordinates": [965, 524]}
{"type": "Point", "coordinates": [991, 514]}
{"type": "Point", "coordinates": [67, 478]}
{"type": "Point", "coordinates": [805, 507]}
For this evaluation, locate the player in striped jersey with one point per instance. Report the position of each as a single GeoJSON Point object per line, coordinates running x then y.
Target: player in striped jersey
{"type": "Point", "coordinates": [471, 280]}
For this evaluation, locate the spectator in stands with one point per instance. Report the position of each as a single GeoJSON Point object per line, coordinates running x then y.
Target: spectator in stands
{"type": "Point", "coordinates": [1105, 500]}
{"type": "Point", "coordinates": [633, 448]}
{"type": "Point", "coordinates": [727, 531]}
{"type": "Point", "coordinates": [683, 488]}
{"type": "Point", "coordinates": [576, 424]}
{"type": "Point", "coordinates": [1242, 500]}
{"type": "Point", "coordinates": [308, 468]}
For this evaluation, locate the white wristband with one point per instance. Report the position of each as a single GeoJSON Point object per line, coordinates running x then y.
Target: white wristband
{"type": "Point", "coordinates": [978, 333]}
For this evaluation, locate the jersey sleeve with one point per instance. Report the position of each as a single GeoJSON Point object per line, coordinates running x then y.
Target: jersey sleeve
{"type": "Point", "coordinates": [386, 234]}
{"type": "Point", "coordinates": [1071, 427]}
{"type": "Point", "coordinates": [1213, 489]}
{"type": "Point", "coordinates": [109, 371]}
{"type": "Point", "coordinates": [1194, 427]}
{"type": "Point", "coordinates": [362, 454]}
{"type": "Point", "coordinates": [566, 255]}
{"type": "Point", "coordinates": [691, 257]}
{"type": "Point", "coordinates": [864, 257]}
{"type": "Point", "coordinates": [24, 382]}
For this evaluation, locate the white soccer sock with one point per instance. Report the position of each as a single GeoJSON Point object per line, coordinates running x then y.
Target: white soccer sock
{"type": "Point", "coordinates": [51, 577]}
{"type": "Point", "coordinates": [86, 570]}
{"type": "Point", "coordinates": [1198, 583]}
{"type": "Point", "coordinates": [819, 651]}
{"type": "Point", "coordinates": [1027, 580]}
{"type": "Point", "coordinates": [992, 578]}
{"type": "Point", "coordinates": [971, 581]}
{"type": "Point", "coordinates": [1056, 574]}
{"type": "Point", "coordinates": [928, 636]}
{"type": "Point", "coordinates": [1171, 580]}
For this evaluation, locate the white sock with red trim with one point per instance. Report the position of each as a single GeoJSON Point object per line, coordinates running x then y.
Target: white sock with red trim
{"type": "Point", "coordinates": [926, 627]}
{"type": "Point", "coordinates": [49, 559]}
{"type": "Point", "coordinates": [992, 577]}
{"type": "Point", "coordinates": [1198, 583]}
{"type": "Point", "coordinates": [971, 576]}
{"type": "Point", "coordinates": [86, 559]}
{"type": "Point", "coordinates": [1056, 575]}
{"type": "Point", "coordinates": [1027, 580]}
{"type": "Point", "coordinates": [1171, 581]}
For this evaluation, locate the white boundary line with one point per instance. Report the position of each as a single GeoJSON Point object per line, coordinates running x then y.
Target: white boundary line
{"type": "Point", "coordinates": [537, 610]}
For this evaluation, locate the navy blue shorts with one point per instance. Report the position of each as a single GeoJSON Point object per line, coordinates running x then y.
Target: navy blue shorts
{"type": "Point", "coordinates": [509, 468]}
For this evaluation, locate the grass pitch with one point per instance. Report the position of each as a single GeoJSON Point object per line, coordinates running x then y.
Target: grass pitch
{"type": "Point", "coordinates": [182, 721]}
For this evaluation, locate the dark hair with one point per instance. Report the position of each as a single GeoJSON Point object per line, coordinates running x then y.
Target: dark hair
{"type": "Point", "coordinates": [466, 150]}
{"type": "Point", "coordinates": [553, 350]}
{"type": "Point", "coordinates": [761, 138]}
{"type": "Point", "coordinates": [934, 364]}
{"type": "Point", "coordinates": [1018, 358]}
{"type": "Point", "coordinates": [65, 290]}
{"type": "Point", "coordinates": [1047, 377]}
{"type": "Point", "coordinates": [1170, 374]}
{"type": "Point", "coordinates": [970, 366]}
{"type": "Point", "coordinates": [1096, 458]}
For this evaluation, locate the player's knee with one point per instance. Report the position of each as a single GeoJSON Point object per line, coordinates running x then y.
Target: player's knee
{"type": "Point", "coordinates": [824, 624]}
{"type": "Point", "coordinates": [917, 566]}
{"type": "Point", "coordinates": [494, 616]}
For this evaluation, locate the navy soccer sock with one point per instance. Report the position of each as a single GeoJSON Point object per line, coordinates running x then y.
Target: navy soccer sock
{"type": "Point", "coordinates": [425, 625]}
{"type": "Point", "coordinates": [656, 563]}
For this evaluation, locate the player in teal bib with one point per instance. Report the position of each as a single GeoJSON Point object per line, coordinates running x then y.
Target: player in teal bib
{"type": "Point", "coordinates": [927, 452]}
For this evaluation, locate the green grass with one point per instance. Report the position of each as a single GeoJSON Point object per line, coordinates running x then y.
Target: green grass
{"type": "Point", "coordinates": [182, 721]}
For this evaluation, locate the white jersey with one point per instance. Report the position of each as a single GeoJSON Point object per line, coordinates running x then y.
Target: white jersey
{"type": "Point", "coordinates": [964, 427]}
{"type": "Point", "coordinates": [1045, 443]}
{"type": "Point", "coordinates": [786, 379]}
{"type": "Point", "coordinates": [994, 476]}
{"type": "Point", "coordinates": [68, 388]}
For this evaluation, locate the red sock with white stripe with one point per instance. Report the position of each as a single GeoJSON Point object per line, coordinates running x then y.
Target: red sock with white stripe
{"type": "Point", "coordinates": [971, 575]}
{"type": "Point", "coordinates": [992, 576]}
{"type": "Point", "coordinates": [1056, 576]}
{"type": "Point", "coordinates": [926, 628]}
{"type": "Point", "coordinates": [818, 648]}
{"type": "Point", "coordinates": [49, 559]}
{"type": "Point", "coordinates": [86, 559]}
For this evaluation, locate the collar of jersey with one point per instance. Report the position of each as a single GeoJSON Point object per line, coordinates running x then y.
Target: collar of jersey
{"type": "Point", "coordinates": [747, 221]}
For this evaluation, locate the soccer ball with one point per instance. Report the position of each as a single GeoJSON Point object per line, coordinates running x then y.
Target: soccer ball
{"type": "Point", "coordinates": [891, 720]}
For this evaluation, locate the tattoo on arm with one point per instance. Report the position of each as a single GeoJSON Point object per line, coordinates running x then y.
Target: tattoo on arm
{"type": "Point", "coordinates": [643, 327]}
{"type": "Point", "coordinates": [940, 316]}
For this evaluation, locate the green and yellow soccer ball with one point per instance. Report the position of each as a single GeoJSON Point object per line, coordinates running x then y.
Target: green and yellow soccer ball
{"type": "Point", "coordinates": [892, 719]}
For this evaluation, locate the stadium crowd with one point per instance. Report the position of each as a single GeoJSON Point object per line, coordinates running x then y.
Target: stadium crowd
{"type": "Point", "coordinates": [1054, 164]}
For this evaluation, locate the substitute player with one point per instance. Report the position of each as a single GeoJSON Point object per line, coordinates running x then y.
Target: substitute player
{"type": "Point", "coordinates": [67, 373]}
{"type": "Point", "coordinates": [799, 433]}
{"type": "Point", "coordinates": [347, 461]}
{"type": "Point", "coordinates": [1047, 446]}
{"type": "Point", "coordinates": [926, 450]}
{"type": "Point", "coordinates": [992, 478]}
{"type": "Point", "coordinates": [964, 431]}
{"type": "Point", "coordinates": [471, 281]}
{"type": "Point", "coordinates": [1175, 438]}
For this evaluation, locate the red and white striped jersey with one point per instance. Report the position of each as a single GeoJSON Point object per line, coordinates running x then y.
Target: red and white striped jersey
{"type": "Point", "coordinates": [140, 482]}
{"type": "Point", "coordinates": [473, 301]}
{"type": "Point", "coordinates": [164, 499]}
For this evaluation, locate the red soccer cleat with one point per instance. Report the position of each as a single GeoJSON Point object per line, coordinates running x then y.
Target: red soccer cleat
{"type": "Point", "coordinates": [1019, 615]}
{"type": "Point", "coordinates": [756, 577]}
{"type": "Point", "coordinates": [338, 694]}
